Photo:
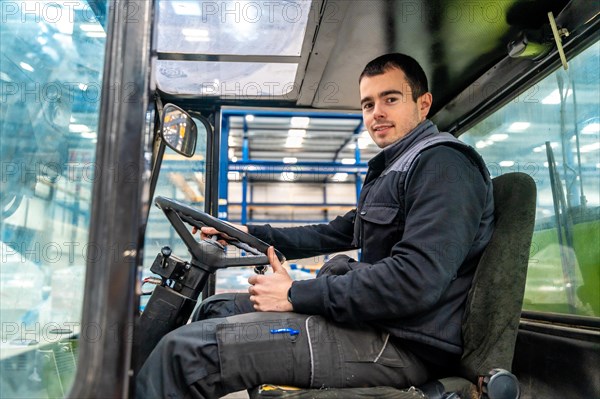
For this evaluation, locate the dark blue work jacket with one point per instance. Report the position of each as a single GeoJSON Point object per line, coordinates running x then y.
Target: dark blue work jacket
{"type": "Point", "coordinates": [424, 216]}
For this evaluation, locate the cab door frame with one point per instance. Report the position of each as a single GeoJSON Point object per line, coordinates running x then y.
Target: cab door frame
{"type": "Point", "coordinates": [119, 200]}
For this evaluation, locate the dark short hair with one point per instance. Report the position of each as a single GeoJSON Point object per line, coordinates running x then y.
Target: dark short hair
{"type": "Point", "coordinates": [414, 73]}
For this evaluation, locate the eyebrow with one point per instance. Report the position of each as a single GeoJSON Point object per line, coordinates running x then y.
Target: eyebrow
{"type": "Point", "coordinates": [382, 94]}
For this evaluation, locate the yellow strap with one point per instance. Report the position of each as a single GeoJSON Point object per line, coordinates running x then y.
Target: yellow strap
{"type": "Point", "coordinates": [269, 387]}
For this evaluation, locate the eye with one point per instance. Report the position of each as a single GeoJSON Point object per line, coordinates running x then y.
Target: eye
{"type": "Point", "coordinates": [391, 100]}
{"type": "Point", "coordinates": [367, 106]}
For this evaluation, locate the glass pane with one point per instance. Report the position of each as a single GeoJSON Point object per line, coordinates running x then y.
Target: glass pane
{"type": "Point", "coordinates": [182, 179]}
{"type": "Point", "coordinates": [239, 79]}
{"type": "Point", "coordinates": [559, 117]}
{"type": "Point", "coordinates": [52, 58]}
{"type": "Point", "coordinates": [233, 27]}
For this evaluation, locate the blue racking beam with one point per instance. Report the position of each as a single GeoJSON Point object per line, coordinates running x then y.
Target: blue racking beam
{"type": "Point", "coordinates": [272, 221]}
{"type": "Point", "coordinates": [310, 114]}
{"type": "Point", "coordinates": [245, 158]}
{"type": "Point", "coordinates": [256, 166]}
{"type": "Point", "coordinates": [317, 168]}
{"type": "Point", "coordinates": [276, 204]}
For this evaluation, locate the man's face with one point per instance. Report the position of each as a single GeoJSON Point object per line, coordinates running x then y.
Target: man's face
{"type": "Point", "coordinates": [389, 111]}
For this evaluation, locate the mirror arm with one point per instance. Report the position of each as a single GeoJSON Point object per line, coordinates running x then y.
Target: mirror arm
{"type": "Point", "coordinates": [159, 106]}
{"type": "Point", "coordinates": [158, 147]}
{"type": "Point", "coordinates": [156, 165]}
{"type": "Point", "coordinates": [157, 128]}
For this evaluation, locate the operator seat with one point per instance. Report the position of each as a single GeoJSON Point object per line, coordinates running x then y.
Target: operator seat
{"type": "Point", "coordinates": [492, 312]}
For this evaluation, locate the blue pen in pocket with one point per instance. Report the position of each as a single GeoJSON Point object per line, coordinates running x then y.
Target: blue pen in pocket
{"type": "Point", "coordinates": [291, 331]}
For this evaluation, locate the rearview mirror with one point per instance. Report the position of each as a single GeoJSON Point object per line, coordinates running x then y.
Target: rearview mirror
{"type": "Point", "coordinates": [178, 130]}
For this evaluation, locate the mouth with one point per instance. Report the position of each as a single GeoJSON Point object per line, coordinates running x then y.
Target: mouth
{"type": "Point", "coordinates": [382, 128]}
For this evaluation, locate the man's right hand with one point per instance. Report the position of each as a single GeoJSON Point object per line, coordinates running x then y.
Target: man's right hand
{"type": "Point", "coordinates": [207, 232]}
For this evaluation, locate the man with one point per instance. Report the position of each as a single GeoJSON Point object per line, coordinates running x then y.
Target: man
{"type": "Point", "coordinates": [424, 216]}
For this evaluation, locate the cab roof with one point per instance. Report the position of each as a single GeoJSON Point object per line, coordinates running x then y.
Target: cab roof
{"type": "Point", "coordinates": [309, 54]}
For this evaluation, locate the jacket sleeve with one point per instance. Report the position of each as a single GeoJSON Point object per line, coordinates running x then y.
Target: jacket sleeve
{"type": "Point", "coordinates": [312, 240]}
{"type": "Point", "coordinates": [445, 198]}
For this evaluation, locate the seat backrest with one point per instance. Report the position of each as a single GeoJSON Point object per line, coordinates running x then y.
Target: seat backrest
{"type": "Point", "coordinates": [496, 296]}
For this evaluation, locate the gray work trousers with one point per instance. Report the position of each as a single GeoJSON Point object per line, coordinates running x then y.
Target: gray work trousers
{"type": "Point", "coordinates": [226, 352]}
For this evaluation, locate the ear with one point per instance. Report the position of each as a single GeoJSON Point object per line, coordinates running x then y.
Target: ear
{"type": "Point", "coordinates": [424, 104]}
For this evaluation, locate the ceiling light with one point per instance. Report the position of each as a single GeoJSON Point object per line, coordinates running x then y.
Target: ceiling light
{"type": "Point", "coordinates": [249, 118]}
{"type": "Point", "coordinates": [290, 160]}
{"type": "Point", "coordinates": [88, 135]}
{"type": "Point", "coordinates": [297, 133]}
{"type": "Point", "coordinates": [91, 28]}
{"type": "Point", "coordinates": [518, 126]}
{"type": "Point", "coordinates": [194, 32]}
{"type": "Point", "coordinates": [591, 128]}
{"type": "Point", "coordinates": [293, 142]}
{"type": "Point", "coordinates": [554, 97]}
{"type": "Point", "coordinates": [348, 161]}
{"type": "Point", "coordinates": [340, 176]}
{"type": "Point", "coordinates": [76, 128]}
{"type": "Point", "coordinates": [480, 144]}
{"type": "Point", "coordinates": [300, 121]}
{"type": "Point", "coordinates": [26, 66]}
{"type": "Point", "coordinates": [499, 137]}
{"type": "Point", "coordinates": [506, 164]}
{"type": "Point", "coordinates": [590, 147]}
{"type": "Point", "coordinates": [96, 34]}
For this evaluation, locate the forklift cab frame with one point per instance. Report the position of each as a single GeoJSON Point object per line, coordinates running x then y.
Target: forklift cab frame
{"type": "Point", "coordinates": [129, 145]}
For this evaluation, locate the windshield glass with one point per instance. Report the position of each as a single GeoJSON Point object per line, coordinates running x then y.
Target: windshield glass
{"type": "Point", "coordinates": [51, 78]}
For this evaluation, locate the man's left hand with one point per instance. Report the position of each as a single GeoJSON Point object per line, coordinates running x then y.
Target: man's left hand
{"type": "Point", "coordinates": [268, 292]}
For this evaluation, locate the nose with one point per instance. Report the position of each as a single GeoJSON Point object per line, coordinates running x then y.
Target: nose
{"type": "Point", "coordinates": [378, 110]}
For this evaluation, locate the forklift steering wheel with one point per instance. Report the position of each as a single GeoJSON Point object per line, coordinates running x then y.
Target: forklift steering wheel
{"type": "Point", "coordinates": [178, 212]}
